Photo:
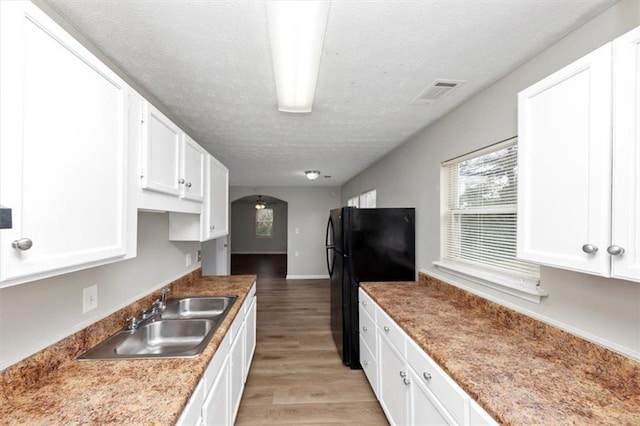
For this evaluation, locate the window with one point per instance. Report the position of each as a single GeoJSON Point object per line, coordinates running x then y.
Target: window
{"type": "Point", "coordinates": [353, 202]}
{"type": "Point", "coordinates": [478, 225]}
{"type": "Point", "coordinates": [264, 223]}
{"type": "Point", "coordinates": [368, 199]}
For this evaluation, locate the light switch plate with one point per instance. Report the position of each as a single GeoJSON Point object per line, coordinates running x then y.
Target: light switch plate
{"type": "Point", "coordinates": [89, 298]}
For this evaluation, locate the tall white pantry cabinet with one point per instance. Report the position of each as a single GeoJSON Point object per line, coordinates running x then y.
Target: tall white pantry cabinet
{"type": "Point", "coordinates": [579, 160]}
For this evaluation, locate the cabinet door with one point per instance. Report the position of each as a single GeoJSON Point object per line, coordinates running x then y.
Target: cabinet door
{"type": "Point", "coordinates": [160, 152]}
{"type": "Point", "coordinates": [216, 408]}
{"type": "Point", "coordinates": [250, 335]}
{"type": "Point", "coordinates": [63, 150]}
{"type": "Point", "coordinates": [192, 170]}
{"type": "Point", "coordinates": [217, 205]}
{"type": "Point", "coordinates": [564, 188]}
{"type": "Point", "coordinates": [424, 407]}
{"type": "Point", "coordinates": [393, 389]}
{"type": "Point", "coordinates": [236, 367]}
{"type": "Point", "coordinates": [626, 156]}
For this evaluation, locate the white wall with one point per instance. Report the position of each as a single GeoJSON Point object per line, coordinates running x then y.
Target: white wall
{"type": "Point", "coordinates": [243, 228]}
{"type": "Point", "coordinates": [603, 310]}
{"type": "Point", "coordinates": [308, 213]}
{"type": "Point", "coordinates": [37, 314]}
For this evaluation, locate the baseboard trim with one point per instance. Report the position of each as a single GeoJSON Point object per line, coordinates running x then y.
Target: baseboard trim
{"type": "Point", "coordinates": [258, 252]}
{"type": "Point", "coordinates": [307, 277]}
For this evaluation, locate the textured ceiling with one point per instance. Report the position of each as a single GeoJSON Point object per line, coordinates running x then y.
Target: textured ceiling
{"type": "Point", "coordinates": [209, 63]}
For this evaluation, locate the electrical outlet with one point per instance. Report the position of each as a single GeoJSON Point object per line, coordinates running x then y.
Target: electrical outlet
{"type": "Point", "coordinates": [188, 259]}
{"type": "Point", "coordinates": [199, 256]}
{"type": "Point", "coordinates": [89, 298]}
{"type": "Point", "coordinates": [297, 230]}
{"type": "Point", "coordinates": [296, 254]}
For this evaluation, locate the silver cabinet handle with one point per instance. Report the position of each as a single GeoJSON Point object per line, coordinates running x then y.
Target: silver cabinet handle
{"type": "Point", "coordinates": [615, 250]}
{"type": "Point", "coordinates": [188, 185]}
{"type": "Point", "coordinates": [22, 244]}
{"type": "Point", "coordinates": [364, 328]}
{"type": "Point", "coordinates": [181, 181]}
{"type": "Point", "coordinates": [589, 248]}
{"type": "Point", "coordinates": [365, 362]}
{"type": "Point", "coordinates": [427, 376]}
{"type": "Point", "coordinates": [403, 374]}
{"type": "Point", "coordinates": [407, 382]}
{"type": "Point", "coordinates": [364, 303]}
{"type": "Point", "coordinates": [213, 227]}
{"type": "Point", "coordinates": [385, 328]}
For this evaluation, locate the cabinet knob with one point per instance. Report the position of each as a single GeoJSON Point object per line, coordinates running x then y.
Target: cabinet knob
{"type": "Point", "coordinates": [385, 328]}
{"type": "Point", "coordinates": [181, 181]}
{"type": "Point", "coordinates": [22, 244]}
{"type": "Point", "coordinates": [188, 184]}
{"type": "Point", "coordinates": [403, 374]}
{"type": "Point", "coordinates": [364, 328]}
{"type": "Point", "coordinates": [365, 362]}
{"type": "Point", "coordinates": [589, 248]}
{"type": "Point", "coordinates": [427, 376]}
{"type": "Point", "coordinates": [615, 250]}
{"type": "Point", "coordinates": [212, 227]}
{"type": "Point", "coordinates": [407, 382]}
{"type": "Point", "coordinates": [364, 303]}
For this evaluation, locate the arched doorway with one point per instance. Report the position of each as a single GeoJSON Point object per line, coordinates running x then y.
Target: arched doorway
{"type": "Point", "coordinates": [259, 236]}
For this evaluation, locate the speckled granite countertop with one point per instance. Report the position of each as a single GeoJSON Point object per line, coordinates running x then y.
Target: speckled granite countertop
{"type": "Point", "coordinates": [519, 370]}
{"type": "Point", "coordinates": [53, 388]}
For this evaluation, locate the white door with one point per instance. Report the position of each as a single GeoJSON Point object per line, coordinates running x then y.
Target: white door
{"type": "Point", "coordinates": [564, 156]}
{"type": "Point", "coordinates": [626, 157]}
{"type": "Point", "coordinates": [63, 149]}
{"type": "Point", "coordinates": [250, 336]}
{"type": "Point", "coordinates": [424, 407]}
{"type": "Point", "coordinates": [393, 390]}
{"type": "Point", "coordinates": [160, 152]}
{"type": "Point", "coordinates": [236, 370]}
{"type": "Point", "coordinates": [193, 158]}
{"type": "Point", "coordinates": [216, 408]}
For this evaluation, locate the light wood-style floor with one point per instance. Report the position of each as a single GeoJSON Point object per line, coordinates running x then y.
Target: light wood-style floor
{"type": "Point", "coordinates": [297, 376]}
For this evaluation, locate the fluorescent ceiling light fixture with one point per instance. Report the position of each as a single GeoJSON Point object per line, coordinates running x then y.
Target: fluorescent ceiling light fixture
{"type": "Point", "coordinates": [296, 33]}
{"type": "Point", "coordinates": [312, 174]}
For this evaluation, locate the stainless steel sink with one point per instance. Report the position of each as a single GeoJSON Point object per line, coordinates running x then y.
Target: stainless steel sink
{"type": "Point", "coordinates": [196, 307]}
{"type": "Point", "coordinates": [183, 329]}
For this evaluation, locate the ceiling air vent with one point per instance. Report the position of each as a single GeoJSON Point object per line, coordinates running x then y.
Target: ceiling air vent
{"type": "Point", "coordinates": [436, 91]}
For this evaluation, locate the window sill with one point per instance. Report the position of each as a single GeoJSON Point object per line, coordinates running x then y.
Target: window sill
{"type": "Point", "coordinates": [506, 283]}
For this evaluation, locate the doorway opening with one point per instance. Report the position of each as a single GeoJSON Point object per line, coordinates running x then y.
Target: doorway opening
{"type": "Point", "coordinates": [259, 236]}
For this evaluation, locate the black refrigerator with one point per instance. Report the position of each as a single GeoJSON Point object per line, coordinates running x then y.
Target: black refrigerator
{"type": "Point", "coordinates": [365, 245]}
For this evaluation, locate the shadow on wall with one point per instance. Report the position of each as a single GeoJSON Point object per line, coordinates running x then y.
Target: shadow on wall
{"type": "Point", "coordinates": [259, 231]}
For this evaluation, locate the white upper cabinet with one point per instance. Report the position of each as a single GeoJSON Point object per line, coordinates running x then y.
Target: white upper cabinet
{"type": "Point", "coordinates": [160, 152]}
{"type": "Point", "coordinates": [626, 156]}
{"type": "Point", "coordinates": [566, 146]}
{"type": "Point", "coordinates": [192, 170]}
{"type": "Point", "coordinates": [172, 165]}
{"type": "Point", "coordinates": [216, 210]}
{"type": "Point", "coordinates": [64, 156]}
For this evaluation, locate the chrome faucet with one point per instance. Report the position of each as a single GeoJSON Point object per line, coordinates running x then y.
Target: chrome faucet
{"type": "Point", "coordinates": [151, 313]}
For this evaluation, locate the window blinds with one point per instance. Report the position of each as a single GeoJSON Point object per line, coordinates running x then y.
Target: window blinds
{"type": "Point", "coordinates": [479, 223]}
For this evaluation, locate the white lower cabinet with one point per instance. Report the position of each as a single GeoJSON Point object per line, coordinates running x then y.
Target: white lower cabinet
{"type": "Point", "coordinates": [216, 399]}
{"type": "Point", "coordinates": [393, 383]}
{"type": "Point", "coordinates": [250, 336]}
{"type": "Point", "coordinates": [411, 387]}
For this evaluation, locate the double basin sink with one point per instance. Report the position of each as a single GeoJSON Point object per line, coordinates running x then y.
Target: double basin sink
{"type": "Point", "coordinates": [183, 329]}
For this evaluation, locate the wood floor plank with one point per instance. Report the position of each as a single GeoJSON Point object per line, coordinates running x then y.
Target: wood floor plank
{"type": "Point", "coordinates": [297, 376]}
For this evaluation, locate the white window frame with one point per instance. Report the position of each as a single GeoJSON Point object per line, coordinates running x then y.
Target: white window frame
{"type": "Point", "coordinates": [366, 198]}
{"type": "Point", "coordinates": [504, 280]}
{"type": "Point", "coordinates": [353, 201]}
{"type": "Point", "coordinates": [257, 222]}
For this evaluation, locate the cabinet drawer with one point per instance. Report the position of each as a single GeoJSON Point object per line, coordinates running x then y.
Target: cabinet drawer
{"type": "Point", "coordinates": [369, 365]}
{"type": "Point", "coordinates": [367, 303]}
{"type": "Point", "coordinates": [391, 331]}
{"type": "Point", "coordinates": [450, 395]}
{"type": "Point", "coordinates": [368, 330]}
